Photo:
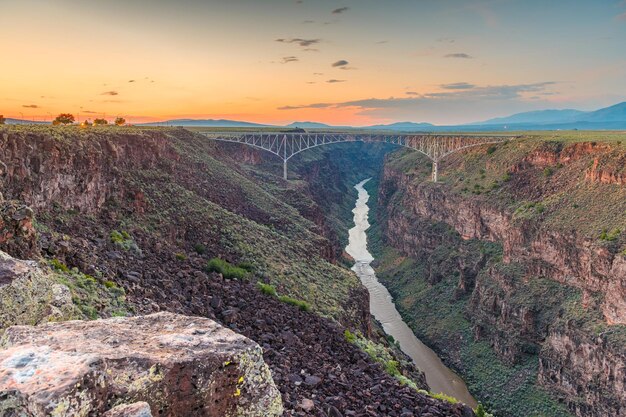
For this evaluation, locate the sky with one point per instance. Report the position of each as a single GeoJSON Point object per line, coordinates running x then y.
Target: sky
{"type": "Point", "coordinates": [351, 62]}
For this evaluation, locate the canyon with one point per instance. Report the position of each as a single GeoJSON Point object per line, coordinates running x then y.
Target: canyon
{"type": "Point", "coordinates": [512, 268]}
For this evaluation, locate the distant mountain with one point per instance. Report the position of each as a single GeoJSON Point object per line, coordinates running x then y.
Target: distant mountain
{"type": "Point", "coordinates": [203, 123]}
{"type": "Point", "coordinates": [309, 125]}
{"type": "Point", "coordinates": [10, 121]}
{"type": "Point", "coordinates": [613, 117]}
{"type": "Point", "coordinates": [608, 118]}
{"type": "Point", "coordinates": [616, 113]}
{"type": "Point", "coordinates": [536, 117]}
{"type": "Point", "coordinates": [403, 127]}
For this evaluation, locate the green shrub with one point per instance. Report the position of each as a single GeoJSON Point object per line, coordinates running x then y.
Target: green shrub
{"type": "Point", "coordinates": [349, 336]}
{"type": "Point", "coordinates": [391, 367]}
{"type": "Point", "coordinates": [444, 397]}
{"type": "Point", "coordinates": [199, 248]}
{"type": "Point", "coordinates": [547, 172]}
{"type": "Point", "coordinates": [109, 284]}
{"type": "Point", "coordinates": [302, 305]}
{"type": "Point", "coordinates": [246, 265]}
{"type": "Point", "coordinates": [267, 289]}
{"type": "Point", "coordinates": [226, 269]}
{"type": "Point", "coordinates": [506, 177]}
{"type": "Point", "coordinates": [491, 150]}
{"type": "Point", "coordinates": [58, 265]}
{"type": "Point", "coordinates": [181, 256]}
{"type": "Point", "coordinates": [124, 240]}
{"type": "Point", "coordinates": [610, 236]}
{"type": "Point", "coordinates": [481, 412]}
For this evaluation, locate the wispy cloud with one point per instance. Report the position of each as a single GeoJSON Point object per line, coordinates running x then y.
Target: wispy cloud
{"type": "Point", "coordinates": [131, 81]}
{"type": "Point", "coordinates": [460, 55]}
{"type": "Point", "coordinates": [288, 59]}
{"type": "Point", "coordinates": [412, 93]}
{"type": "Point", "coordinates": [468, 94]}
{"type": "Point", "coordinates": [457, 86]}
{"type": "Point", "coordinates": [340, 63]}
{"type": "Point", "coordinates": [110, 93]}
{"type": "Point", "coordinates": [621, 17]}
{"type": "Point", "coordinates": [300, 41]}
{"type": "Point", "coordinates": [333, 81]}
{"type": "Point", "coordinates": [446, 40]}
{"type": "Point", "coordinates": [30, 106]}
{"type": "Point", "coordinates": [341, 10]}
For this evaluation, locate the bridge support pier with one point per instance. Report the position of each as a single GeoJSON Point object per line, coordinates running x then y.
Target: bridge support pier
{"type": "Point", "coordinates": [435, 174]}
{"type": "Point", "coordinates": [285, 169]}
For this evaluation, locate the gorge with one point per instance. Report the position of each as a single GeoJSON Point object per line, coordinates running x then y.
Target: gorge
{"type": "Point", "coordinates": [499, 268]}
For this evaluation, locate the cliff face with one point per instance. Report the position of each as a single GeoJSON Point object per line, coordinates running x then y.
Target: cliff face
{"type": "Point", "coordinates": [40, 170]}
{"type": "Point", "coordinates": [531, 299]}
{"type": "Point", "coordinates": [562, 256]}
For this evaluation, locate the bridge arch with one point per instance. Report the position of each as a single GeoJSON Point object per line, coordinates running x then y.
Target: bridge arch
{"type": "Point", "coordinates": [287, 145]}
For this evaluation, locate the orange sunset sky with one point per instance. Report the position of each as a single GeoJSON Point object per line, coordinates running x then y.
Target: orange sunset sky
{"type": "Point", "coordinates": [350, 62]}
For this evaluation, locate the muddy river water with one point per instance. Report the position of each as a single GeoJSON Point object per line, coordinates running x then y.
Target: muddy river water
{"type": "Point", "coordinates": [439, 377]}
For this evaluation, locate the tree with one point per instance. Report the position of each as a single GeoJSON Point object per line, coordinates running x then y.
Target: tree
{"type": "Point", "coordinates": [2, 119]}
{"type": "Point", "coordinates": [120, 121]}
{"type": "Point", "coordinates": [63, 119]}
{"type": "Point", "coordinates": [99, 122]}
{"type": "Point", "coordinates": [85, 123]}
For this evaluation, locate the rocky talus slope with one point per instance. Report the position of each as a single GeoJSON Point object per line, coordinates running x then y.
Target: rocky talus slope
{"type": "Point", "coordinates": [123, 221]}
{"type": "Point", "coordinates": [530, 236]}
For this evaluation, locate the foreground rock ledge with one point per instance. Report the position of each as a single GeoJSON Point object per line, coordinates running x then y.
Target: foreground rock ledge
{"type": "Point", "coordinates": [178, 365]}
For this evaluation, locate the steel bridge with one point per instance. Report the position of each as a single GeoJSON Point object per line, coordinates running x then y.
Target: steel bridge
{"type": "Point", "coordinates": [287, 145]}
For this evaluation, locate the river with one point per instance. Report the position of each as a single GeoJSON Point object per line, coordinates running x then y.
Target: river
{"type": "Point", "coordinates": [439, 377]}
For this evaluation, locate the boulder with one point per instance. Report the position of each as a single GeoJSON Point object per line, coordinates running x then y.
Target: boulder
{"type": "Point", "coordinates": [178, 365]}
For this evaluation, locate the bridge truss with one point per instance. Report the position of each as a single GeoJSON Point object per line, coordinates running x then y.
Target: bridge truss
{"type": "Point", "coordinates": [287, 145]}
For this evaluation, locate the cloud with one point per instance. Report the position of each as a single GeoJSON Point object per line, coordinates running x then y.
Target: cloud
{"type": "Point", "coordinates": [412, 93]}
{"type": "Point", "coordinates": [457, 86]}
{"type": "Point", "coordinates": [459, 55]}
{"type": "Point", "coordinates": [306, 22]}
{"type": "Point", "coordinates": [333, 81]}
{"type": "Point", "coordinates": [30, 106]}
{"type": "Point", "coordinates": [381, 42]}
{"type": "Point", "coordinates": [341, 10]}
{"type": "Point", "coordinates": [340, 63]}
{"type": "Point", "coordinates": [300, 41]}
{"type": "Point", "coordinates": [289, 59]}
{"type": "Point", "coordinates": [131, 81]}
{"type": "Point", "coordinates": [318, 73]}
{"type": "Point", "coordinates": [621, 17]}
{"type": "Point", "coordinates": [446, 40]}
{"type": "Point", "coordinates": [110, 93]}
{"type": "Point", "coordinates": [438, 100]}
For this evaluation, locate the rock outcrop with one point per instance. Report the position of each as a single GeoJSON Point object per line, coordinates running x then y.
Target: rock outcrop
{"type": "Point", "coordinates": [17, 233]}
{"type": "Point", "coordinates": [178, 365]}
{"type": "Point", "coordinates": [29, 294]}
